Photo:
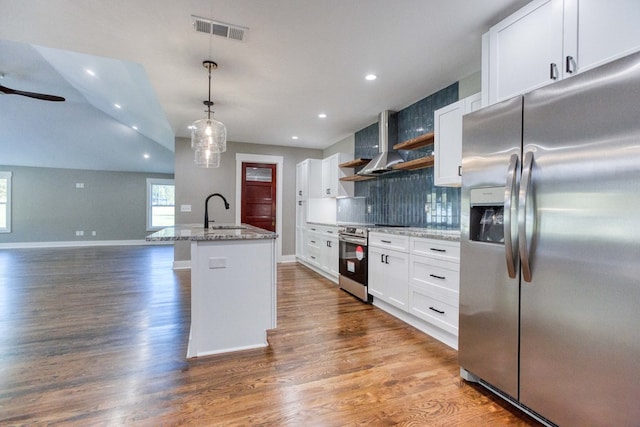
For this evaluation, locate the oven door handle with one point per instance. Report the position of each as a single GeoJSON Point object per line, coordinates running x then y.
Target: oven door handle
{"type": "Point", "coordinates": [354, 240]}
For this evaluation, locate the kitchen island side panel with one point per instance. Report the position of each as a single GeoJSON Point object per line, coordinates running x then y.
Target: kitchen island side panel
{"type": "Point", "coordinates": [233, 295]}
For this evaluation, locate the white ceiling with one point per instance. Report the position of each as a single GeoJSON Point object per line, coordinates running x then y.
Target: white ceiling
{"type": "Point", "coordinates": [299, 58]}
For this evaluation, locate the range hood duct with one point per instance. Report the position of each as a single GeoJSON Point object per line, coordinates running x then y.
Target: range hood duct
{"type": "Point", "coordinates": [387, 138]}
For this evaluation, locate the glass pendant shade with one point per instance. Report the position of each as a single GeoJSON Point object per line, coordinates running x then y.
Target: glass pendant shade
{"type": "Point", "coordinates": [207, 158]}
{"type": "Point", "coordinates": [209, 134]}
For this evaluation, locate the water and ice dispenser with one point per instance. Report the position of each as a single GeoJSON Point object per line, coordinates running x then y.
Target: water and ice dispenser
{"type": "Point", "coordinates": [487, 215]}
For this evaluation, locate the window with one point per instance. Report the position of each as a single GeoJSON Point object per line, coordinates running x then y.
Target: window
{"type": "Point", "coordinates": [5, 202]}
{"type": "Point", "coordinates": [160, 203]}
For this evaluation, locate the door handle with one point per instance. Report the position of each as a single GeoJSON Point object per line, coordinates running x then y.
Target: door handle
{"type": "Point", "coordinates": [524, 207]}
{"type": "Point", "coordinates": [382, 258]}
{"type": "Point", "coordinates": [570, 65]}
{"type": "Point", "coordinates": [510, 192]}
{"type": "Point", "coordinates": [386, 259]}
{"type": "Point", "coordinates": [553, 71]}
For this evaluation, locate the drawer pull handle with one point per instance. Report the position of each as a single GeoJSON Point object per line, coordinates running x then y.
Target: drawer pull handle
{"type": "Point", "coordinates": [437, 277]}
{"type": "Point", "coordinates": [437, 250]}
{"type": "Point", "coordinates": [313, 241]}
{"type": "Point", "coordinates": [312, 257]}
{"type": "Point", "coordinates": [436, 310]}
{"type": "Point", "coordinates": [386, 241]}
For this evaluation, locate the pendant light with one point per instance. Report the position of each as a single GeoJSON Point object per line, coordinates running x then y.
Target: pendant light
{"type": "Point", "coordinates": [208, 136]}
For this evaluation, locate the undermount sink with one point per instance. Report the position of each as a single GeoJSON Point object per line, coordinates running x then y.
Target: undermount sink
{"type": "Point", "coordinates": [226, 227]}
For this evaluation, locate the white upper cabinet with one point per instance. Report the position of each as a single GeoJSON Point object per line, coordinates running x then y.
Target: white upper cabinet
{"type": "Point", "coordinates": [308, 175]}
{"type": "Point", "coordinates": [598, 31]}
{"type": "Point", "coordinates": [331, 174]}
{"type": "Point", "coordinates": [448, 140]}
{"type": "Point", "coordinates": [549, 40]}
{"type": "Point", "coordinates": [525, 50]}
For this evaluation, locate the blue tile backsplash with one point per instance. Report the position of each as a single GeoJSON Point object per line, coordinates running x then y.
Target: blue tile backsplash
{"type": "Point", "coordinates": [404, 197]}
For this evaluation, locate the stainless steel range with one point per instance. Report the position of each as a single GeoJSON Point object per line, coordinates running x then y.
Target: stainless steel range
{"type": "Point", "coordinates": [353, 260]}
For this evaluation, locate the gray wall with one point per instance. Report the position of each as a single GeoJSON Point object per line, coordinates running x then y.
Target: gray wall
{"type": "Point", "coordinates": [345, 145]}
{"type": "Point", "coordinates": [470, 85]}
{"type": "Point", "coordinates": [194, 183]}
{"type": "Point", "coordinates": [47, 206]}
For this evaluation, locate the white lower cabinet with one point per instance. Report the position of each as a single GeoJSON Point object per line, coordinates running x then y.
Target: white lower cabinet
{"type": "Point", "coordinates": [313, 253]}
{"type": "Point", "coordinates": [419, 284]}
{"type": "Point", "coordinates": [388, 276]}
{"type": "Point", "coordinates": [433, 292]}
{"type": "Point", "coordinates": [329, 247]}
{"type": "Point", "coordinates": [320, 249]}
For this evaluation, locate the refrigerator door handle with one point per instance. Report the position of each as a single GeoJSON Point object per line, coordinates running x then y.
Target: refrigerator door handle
{"type": "Point", "coordinates": [510, 191]}
{"type": "Point", "coordinates": [525, 185]}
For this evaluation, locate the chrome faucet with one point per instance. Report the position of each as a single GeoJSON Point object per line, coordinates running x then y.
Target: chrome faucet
{"type": "Point", "coordinates": [206, 207]}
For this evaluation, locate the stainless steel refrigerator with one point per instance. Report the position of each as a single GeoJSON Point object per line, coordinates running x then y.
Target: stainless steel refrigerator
{"type": "Point", "coordinates": [550, 248]}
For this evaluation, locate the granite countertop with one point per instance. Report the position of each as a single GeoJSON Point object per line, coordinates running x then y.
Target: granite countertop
{"type": "Point", "coordinates": [216, 231]}
{"type": "Point", "coordinates": [431, 233]}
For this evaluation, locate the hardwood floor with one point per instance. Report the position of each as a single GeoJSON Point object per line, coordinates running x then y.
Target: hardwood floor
{"type": "Point", "coordinates": [98, 336]}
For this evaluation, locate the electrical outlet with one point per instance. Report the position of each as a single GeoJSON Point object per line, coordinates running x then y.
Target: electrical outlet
{"type": "Point", "coordinates": [79, 184]}
{"type": "Point", "coordinates": [427, 208]}
{"type": "Point", "coordinates": [185, 208]}
{"type": "Point", "coordinates": [93, 233]}
{"type": "Point", "coordinates": [368, 208]}
{"type": "Point", "coordinates": [79, 233]}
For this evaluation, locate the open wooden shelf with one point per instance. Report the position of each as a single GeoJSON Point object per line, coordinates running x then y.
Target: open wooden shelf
{"type": "Point", "coordinates": [417, 142]}
{"type": "Point", "coordinates": [356, 178]}
{"type": "Point", "coordinates": [422, 162]}
{"type": "Point", "coordinates": [354, 163]}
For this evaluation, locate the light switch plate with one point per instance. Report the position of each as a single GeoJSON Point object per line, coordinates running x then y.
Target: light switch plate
{"type": "Point", "coordinates": [185, 208]}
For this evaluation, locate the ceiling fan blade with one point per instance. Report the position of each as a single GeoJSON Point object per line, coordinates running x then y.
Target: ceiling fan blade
{"type": "Point", "coordinates": [40, 96]}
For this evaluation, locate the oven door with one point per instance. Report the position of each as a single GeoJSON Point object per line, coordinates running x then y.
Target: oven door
{"type": "Point", "coordinates": [353, 259]}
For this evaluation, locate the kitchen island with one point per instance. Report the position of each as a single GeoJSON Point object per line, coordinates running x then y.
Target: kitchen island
{"type": "Point", "coordinates": [233, 285]}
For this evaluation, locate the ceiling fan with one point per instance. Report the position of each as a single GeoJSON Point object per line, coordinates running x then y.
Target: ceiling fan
{"type": "Point", "coordinates": [42, 96]}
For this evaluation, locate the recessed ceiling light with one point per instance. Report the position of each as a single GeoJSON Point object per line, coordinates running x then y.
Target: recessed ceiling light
{"type": "Point", "coordinates": [146, 156]}
{"type": "Point", "coordinates": [370, 77]}
{"type": "Point", "coordinates": [118, 106]}
{"type": "Point", "coordinates": [294, 137]}
{"type": "Point", "coordinates": [90, 72]}
{"type": "Point", "coordinates": [322, 115]}
{"type": "Point", "coordinates": [134, 127]}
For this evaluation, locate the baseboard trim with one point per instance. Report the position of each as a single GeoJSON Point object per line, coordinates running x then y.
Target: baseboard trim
{"type": "Point", "coordinates": [287, 258]}
{"type": "Point", "coordinates": [182, 265]}
{"type": "Point", "coordinates": [80, 243]}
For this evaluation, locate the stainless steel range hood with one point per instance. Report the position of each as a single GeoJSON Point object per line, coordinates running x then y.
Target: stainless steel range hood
{"type": "Point", "coordinates": [388, 136]}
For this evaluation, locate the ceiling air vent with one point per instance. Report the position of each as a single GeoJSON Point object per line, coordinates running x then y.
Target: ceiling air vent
{"type": "Point", "coordinates": [217, 28]}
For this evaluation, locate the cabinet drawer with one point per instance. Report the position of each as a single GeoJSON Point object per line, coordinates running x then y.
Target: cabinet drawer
{"type": "Point", "coordinates": [427, 272]}
{"type": "Point", "coordinates": [389, 241]}
{"type": "Point", "coordinates": [444, 250]}
{"type": "Point", "coordinates": [328, 231]}
{"type": "Point", "coordinates": [314, 240]}
{"type": "Point", "coordinates": [427, 306]}
{"type": "Point", "coordinates": [313, 256]}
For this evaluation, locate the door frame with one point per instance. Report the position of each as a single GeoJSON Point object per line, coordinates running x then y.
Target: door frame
{"type": "Point", "coordinates": [259, 158]}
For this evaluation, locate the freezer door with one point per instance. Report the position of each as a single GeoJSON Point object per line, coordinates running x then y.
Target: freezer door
{"type": "Point", "coordinates": [580, 312]}
{"type": "Point", "coordinates": [489, 297]}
